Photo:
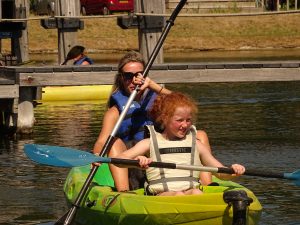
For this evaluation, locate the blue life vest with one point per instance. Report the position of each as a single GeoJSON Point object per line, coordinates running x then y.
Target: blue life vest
{"type": "Point", "coordinates": [81, 60]}
{"type": "Point", "coordinates": [132, 127]}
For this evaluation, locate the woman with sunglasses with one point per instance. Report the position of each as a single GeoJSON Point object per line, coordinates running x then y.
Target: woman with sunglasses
{"type": "Point", "coordinates": [131, 131]}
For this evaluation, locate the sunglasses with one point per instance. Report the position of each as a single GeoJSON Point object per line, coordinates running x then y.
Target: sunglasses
{"type": "Point", "coordinates": [130, 75]}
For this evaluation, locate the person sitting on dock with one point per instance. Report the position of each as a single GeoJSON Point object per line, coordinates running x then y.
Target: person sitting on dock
{"type": "Point", "coordinates": [174, 139]}
{"type": "Point", "coordinates": [77, 54]}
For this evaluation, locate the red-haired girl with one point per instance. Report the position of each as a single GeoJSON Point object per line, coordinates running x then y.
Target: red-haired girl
{"type": "Point", "coordinates": [174, 139]}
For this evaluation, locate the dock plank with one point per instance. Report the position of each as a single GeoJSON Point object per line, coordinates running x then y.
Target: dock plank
{"type": "Point", "coordinates": [66, 78]}
{"type": "Point", "coordinates": [9, 91]}
{"type": "Point", "coordinates": [227, 75]}
{"type": "Point", "coordinates": [162, 73]}
{"type": "Point", "coordinates": [174, 74]}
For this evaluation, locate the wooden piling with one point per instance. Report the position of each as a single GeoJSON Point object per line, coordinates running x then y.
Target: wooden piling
{"type": "Point", "coordinates": [67, 37]}
{"type": "Point", "coordinates": [9, 95]}
{"type": "Point", "coordinates": [19, 46]}
{"type": "Point", "coordinates": [148, 36]}
{"type": "Point", "coordinates": [26, 119]}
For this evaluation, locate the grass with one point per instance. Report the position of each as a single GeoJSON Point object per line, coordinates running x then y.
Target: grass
{"type": "Point", "coordinates": [188, 34]}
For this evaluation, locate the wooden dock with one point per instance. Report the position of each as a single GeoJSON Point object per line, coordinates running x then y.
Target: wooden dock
{"type": "Point", "coordinates": [19, 86]}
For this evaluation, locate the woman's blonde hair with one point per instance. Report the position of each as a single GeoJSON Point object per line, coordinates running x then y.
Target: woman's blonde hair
{"type": "Point", "coordinates": [164, 107]}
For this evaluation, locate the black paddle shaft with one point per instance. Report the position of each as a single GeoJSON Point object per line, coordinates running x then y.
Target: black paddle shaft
{"type": "Point", "coordinates": [69, 216]}
{"type": "Point", "coordinates": [253, 172]}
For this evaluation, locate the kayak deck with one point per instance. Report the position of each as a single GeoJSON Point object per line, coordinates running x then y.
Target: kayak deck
{"type": "Point", "coordinates": [104, 206]}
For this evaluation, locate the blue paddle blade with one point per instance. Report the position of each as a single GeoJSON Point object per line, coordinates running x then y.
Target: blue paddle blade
{"type": "Point", "coordinates": [60, 156]}
{"type": "Point", "coordinates": [293, 176]}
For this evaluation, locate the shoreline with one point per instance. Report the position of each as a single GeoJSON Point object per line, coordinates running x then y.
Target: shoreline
{"type": "Point", "coordinates": [178, 50]}
{"type": "Point", "coordinates": [107, 57]}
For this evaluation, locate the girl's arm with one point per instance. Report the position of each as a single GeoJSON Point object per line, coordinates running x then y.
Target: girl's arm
{"type": "Point", "coordinates": [140, 149]}
{"type": "Point", "coordinates": [205, 177]}
{"type": "Point", "coordinates": [203, 138]}
{"type": "Point", "coordinates": [137, 152]}
{"type": "Point", "coordinates": [208, 159]}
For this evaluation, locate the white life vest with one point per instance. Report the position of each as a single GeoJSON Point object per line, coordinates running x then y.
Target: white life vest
{"type": "Point", "coordinates": [182, 151]}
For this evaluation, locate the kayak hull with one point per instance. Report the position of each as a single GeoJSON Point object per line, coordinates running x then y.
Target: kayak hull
{"type": "Point", "coordinates": [102, 206]}
{"type": "Point", "coordinates": [76, 93]}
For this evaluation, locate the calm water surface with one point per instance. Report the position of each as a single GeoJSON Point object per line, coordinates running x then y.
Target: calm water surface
{"type": "Point", "coordinates": [181, 57]}
{"type": "Point", "coordinates": [256, 124]}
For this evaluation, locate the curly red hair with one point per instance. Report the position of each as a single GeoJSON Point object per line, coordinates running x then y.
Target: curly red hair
{"type": "Point", "coordinates": [164, 107]}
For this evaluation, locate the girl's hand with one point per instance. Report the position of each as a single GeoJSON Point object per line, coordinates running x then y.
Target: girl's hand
{"type": "Point", "coordinates": [143, 161]}
{"type": "Point", "coordinates": [238, 169]}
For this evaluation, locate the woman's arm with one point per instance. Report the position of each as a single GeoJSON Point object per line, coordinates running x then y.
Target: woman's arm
{"type": "Point", "coordinates": [85, 63]}
{"type": "Point", "coordinates": [120, 175]}
{"type": "Point", "coordinates": [157, 88]}
{"type": "Point", "coordinates": [151, 84]}
{"type": "Point", "coordinates": [109, 120]}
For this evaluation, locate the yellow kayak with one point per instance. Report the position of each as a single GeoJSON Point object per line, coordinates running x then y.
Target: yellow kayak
{"type": "Point", "coordinates": [103, 206]}
{"type": "Point", "coordinates": [76, 93]}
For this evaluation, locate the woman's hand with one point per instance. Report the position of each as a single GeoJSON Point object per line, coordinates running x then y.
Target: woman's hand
{"type": "Point", "coordinates": [238, 169]}
{"type": "Point", "coordinates": [96, 163]}
{"type": "Point", "coordinates": [140, 80]}
{"type": "Point", "coordinates": [143, 161]}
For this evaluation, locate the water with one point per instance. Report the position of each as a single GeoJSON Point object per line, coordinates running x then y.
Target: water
{"type": "Point", "coordinates": [181, 57]}
{"type": "Point", "coordinates": [256, 124]}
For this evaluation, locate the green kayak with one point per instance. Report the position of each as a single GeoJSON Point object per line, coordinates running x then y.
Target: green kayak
{"type": "Point", "coordinates": [102, 206]}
